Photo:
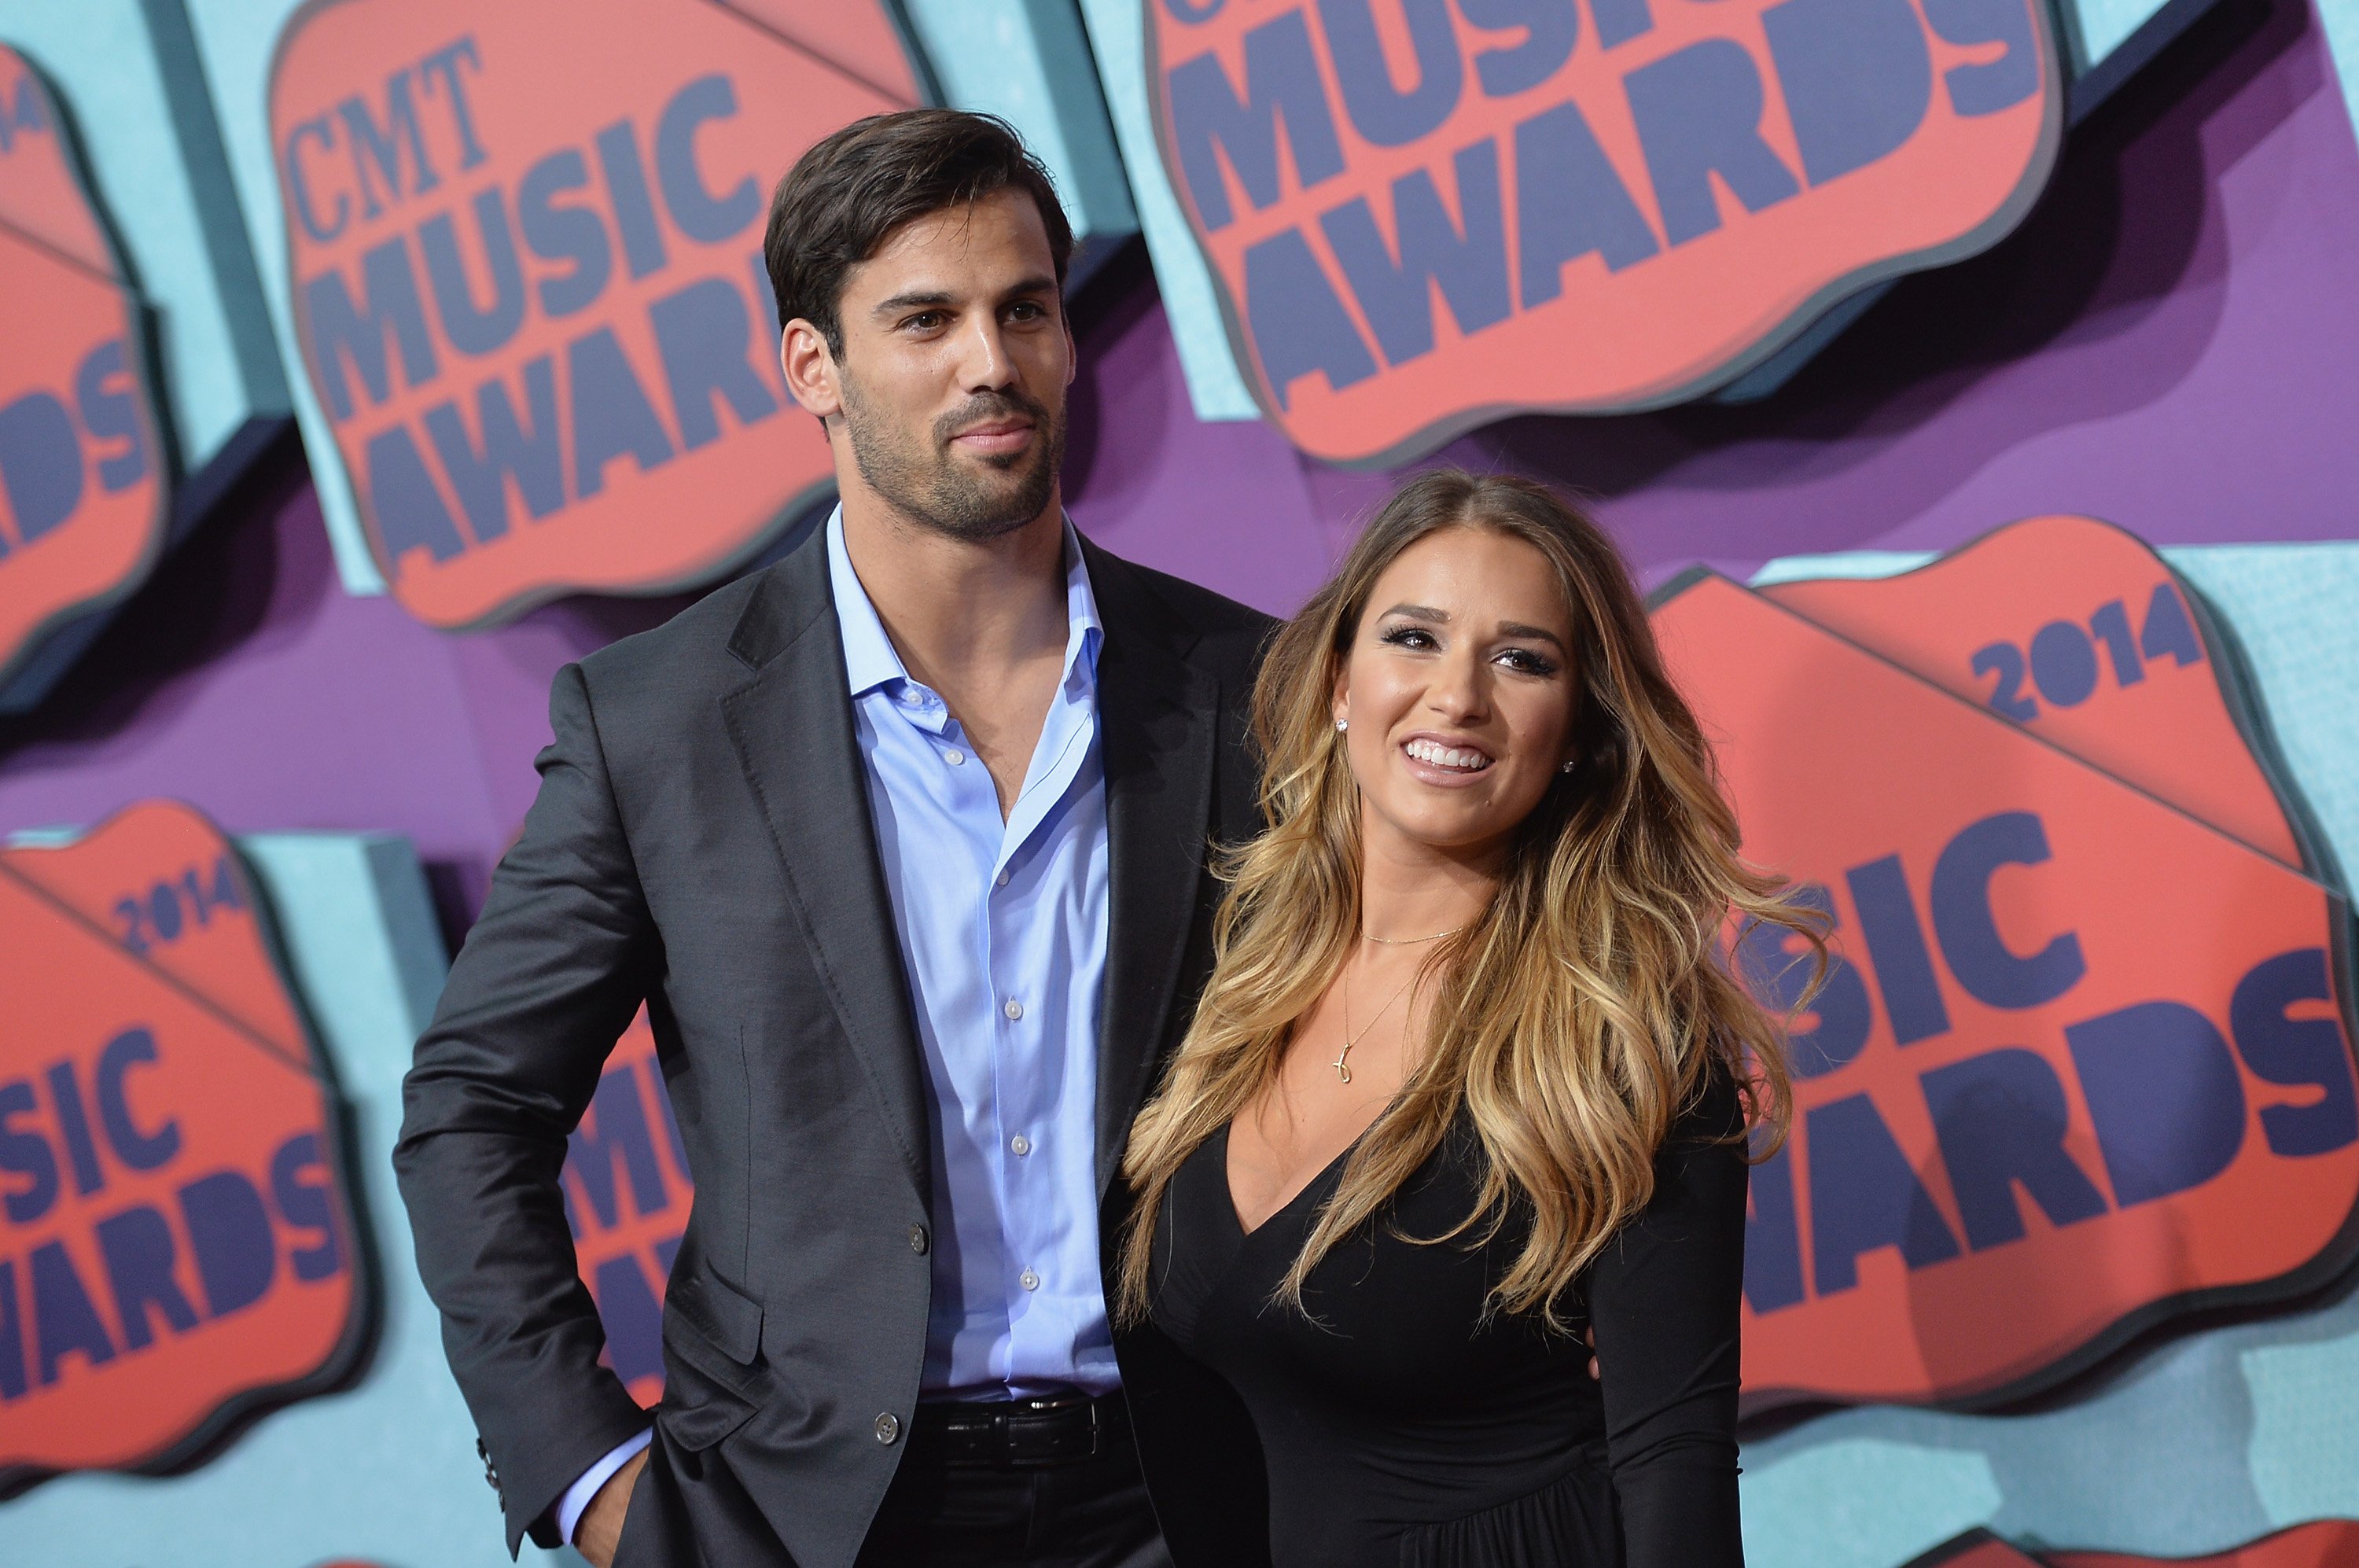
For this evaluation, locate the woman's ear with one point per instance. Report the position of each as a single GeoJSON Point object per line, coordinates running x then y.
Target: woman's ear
{"type": "Point", "coordinates": [1338, 701]}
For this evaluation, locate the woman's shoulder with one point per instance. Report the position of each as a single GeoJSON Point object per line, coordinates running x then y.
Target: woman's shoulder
{"type": "Point", "coordinates": [1715, 1111]}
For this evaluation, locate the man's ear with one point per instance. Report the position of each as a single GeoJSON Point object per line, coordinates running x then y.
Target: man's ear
{"type": "Point", "coordinates": [810, 369]}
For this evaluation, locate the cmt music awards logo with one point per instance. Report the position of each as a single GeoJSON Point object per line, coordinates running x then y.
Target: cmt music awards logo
{"type": "Point", "coordinates": [524, 247]}
{"type": "Point", "coordinates": [2083, 1061]}
{"type": "Point", "coordinates": [178, 1245]}
{"type": "Point", "coordinates": [1616, 203]}
{"type": "Point", "coordinates": [82, 477]}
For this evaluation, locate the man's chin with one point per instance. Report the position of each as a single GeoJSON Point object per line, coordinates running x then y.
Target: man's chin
{"type": "Point", "coordinates": [1014, 467]}
{"type": "Point", "coordinates": [986, 502]}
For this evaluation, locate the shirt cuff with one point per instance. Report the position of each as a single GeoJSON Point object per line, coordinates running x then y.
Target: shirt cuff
{"type": "Point", "coordinates": [576, 1500]}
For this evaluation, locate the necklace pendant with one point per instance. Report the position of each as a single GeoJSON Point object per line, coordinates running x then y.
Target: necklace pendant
{"type": "Point", "coordinates": [1340, 1071]}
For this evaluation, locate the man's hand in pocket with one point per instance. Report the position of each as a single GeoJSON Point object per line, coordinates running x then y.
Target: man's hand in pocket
{"type": "Point", "coordinates": [601, 1529]}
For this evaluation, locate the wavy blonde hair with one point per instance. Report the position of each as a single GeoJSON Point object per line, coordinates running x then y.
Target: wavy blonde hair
{"type": "Point", "coordinates": [1576, 1017]}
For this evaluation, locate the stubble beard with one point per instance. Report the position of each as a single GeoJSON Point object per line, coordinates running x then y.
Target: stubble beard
{"type": "Point", "coordinates": [915, 474]}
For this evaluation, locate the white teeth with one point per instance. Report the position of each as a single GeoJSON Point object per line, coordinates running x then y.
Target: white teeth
{"type": "Point", "coordinates": [1436, 756]}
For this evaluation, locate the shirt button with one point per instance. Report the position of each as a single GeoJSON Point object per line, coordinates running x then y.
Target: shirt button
{"type": "Point", "coordinates": [1002, 877]}
{"type": "Point", "coordinates": [1020, 1144]}
{"type": "Point", "coordinates": [1014, 1009]}
{"type": "Point", "coordinates": [955, 759]}
{"type": "Point", "coordinates": [1029, 1280]}
{"type": "Point", "coordinates": [919, 1240]}
{"type": "Point", "coordinates": [888, 1429]}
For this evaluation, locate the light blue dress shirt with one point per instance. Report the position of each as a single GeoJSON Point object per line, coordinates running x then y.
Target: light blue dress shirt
{"type": "Point", "coordinates": [1003, 928]}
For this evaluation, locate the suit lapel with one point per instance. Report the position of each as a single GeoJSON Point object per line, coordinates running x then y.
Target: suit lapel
{"type": "Point", "coordinates": [792, 724]}
{"type": "Point", "coordinates": [1157, 723]}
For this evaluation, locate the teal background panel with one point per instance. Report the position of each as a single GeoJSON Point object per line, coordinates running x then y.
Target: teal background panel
{"type": "Point", "coordinates": [137, 104]}
{"type": "Point", "coordinates": [1215, 386]}
{"type": "Point", "coordinates": [387, 1470]}
{"type": "Point", "coordinates": [2341, 21]}
{"type": "Point", "coordinates": [233, 41]}
{"type": "Point", "coordinates": [2191, 1443]}
{"type": "Point", "coordinates": [1023, 59]}
{"type": "Point", "coordinates": [1027, 62]}
{"type": "Point", "coordinates": [2095, 29]}
{"type": "Point", "coordinates": [1861, 1502]}
{"type": "Point", "coordinates": [2196, 1444]}
{"type": "Point", "coordinates": [1190, 306]}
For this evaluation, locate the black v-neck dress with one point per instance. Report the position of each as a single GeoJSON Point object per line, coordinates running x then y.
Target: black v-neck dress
{"type": "Point", "coordinates": [1402, 1429]}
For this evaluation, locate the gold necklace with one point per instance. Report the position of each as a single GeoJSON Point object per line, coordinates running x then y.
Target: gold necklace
{"type": "Point", "coordinates": [1409, 941]}
{"type": "Point", "coordinates": [1351, 1039]}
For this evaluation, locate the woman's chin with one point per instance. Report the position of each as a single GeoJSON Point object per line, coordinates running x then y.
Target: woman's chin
{"type": "Point", "coordinates": [1450, 834]}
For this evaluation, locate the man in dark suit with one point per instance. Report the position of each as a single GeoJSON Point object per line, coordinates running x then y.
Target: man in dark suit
{"type": "Point", "coordinates": [903, 841]}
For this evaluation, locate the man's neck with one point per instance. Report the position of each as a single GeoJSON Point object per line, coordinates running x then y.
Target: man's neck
{"type": "Point", "coordinates": [982, 623]}
{"type": "Point", "coordinates": [962, 613]}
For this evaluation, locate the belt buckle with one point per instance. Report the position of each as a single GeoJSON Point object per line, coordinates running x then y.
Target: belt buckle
{"type": "Point", "coordinates": [1033, 1434]}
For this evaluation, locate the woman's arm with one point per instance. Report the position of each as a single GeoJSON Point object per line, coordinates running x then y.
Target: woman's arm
{"type": "Point", "coordinates": [1663, 1300]}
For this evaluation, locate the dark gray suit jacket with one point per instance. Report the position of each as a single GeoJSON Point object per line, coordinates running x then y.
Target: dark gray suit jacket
{"type": "Point", "coordinates": [702, 839]}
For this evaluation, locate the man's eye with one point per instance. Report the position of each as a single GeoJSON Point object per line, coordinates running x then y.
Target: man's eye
{"type": "Point", "coordinates": [1026, 312]}
{"type": "Point", "coordinates": [925, 321]}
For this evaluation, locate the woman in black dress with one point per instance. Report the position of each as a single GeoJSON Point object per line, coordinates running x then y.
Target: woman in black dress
{"type": "Point", "coordinates": [1470, 1090]}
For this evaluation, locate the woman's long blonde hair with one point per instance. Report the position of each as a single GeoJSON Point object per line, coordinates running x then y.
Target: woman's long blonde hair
{"type": "Point", "coordinates": [1576, 1017]}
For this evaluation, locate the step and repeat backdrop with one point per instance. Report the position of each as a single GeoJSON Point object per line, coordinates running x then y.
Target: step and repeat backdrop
{"type": "Point", "coordinates": [361, 361]}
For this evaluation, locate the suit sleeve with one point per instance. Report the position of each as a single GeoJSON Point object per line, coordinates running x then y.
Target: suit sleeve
{"type": "Point", "coordinates": [561, 956]}
{"type": "Point", "coordinates": [1664, 1300]}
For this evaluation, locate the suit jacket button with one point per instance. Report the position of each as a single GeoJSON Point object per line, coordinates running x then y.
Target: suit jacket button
{"type": "Point", "coordinates": [919, 1240]}
{"type": "Point", "coordinates": [888, 1427]}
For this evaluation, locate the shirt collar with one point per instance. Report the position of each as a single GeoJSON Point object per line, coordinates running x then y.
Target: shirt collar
{"type": "Point", "coordinates": [870, 660]}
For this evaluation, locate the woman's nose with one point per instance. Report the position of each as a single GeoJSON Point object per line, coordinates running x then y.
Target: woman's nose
{"type": "Point", "coordinates": [1458, 689]}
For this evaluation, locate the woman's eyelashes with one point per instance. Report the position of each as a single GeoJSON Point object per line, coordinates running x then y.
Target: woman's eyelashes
{"type": "Point", "coordinates": [1418, 639]}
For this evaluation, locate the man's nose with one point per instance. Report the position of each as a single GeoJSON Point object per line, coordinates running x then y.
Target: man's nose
{"type": "Point", "coordinates": [984, 364]}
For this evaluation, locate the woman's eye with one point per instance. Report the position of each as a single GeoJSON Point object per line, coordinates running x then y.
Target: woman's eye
{"type": "Point", "coordinates": [1411, 636]}
{"type": "Point", "coordinates": [1524, 661]}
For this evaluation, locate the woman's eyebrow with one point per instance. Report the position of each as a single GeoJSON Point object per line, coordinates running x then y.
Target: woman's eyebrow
{"type": "Point", "coordinates": [1421, 612]}
{"type": "Point", "coordinates": [1519, 629]}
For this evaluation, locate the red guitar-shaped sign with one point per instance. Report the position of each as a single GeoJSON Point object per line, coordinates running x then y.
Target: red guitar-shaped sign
{"type": "Point", "coordinates": [180, 1247]}
{"type": "Point", "coordinates": [83, 506]}
{"type": "Point", "coordinates": [525, 245]}
{"type": "Point", "coordinates": [1423, 216]}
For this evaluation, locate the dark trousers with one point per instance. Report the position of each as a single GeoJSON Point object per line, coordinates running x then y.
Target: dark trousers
{"type": "Point", "coordinates": [1086, 1513]}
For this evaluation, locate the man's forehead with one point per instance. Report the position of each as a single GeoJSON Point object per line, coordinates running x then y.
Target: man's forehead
{"type": "Point", "coordinates": [976, 248]}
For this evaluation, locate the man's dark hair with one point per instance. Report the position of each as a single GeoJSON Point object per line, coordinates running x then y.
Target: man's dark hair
{"type": "Point", "coordinates": [836, 206]}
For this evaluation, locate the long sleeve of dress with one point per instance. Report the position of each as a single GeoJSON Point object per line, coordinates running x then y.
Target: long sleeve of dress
{"type": "Point", "coordinates": [1664, 1299]}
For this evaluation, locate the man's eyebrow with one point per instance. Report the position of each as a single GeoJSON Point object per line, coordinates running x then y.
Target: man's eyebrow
{"type": "Point", "coordinates": [926, 298]}
{"type": "Point", "coordinates": [1519, 629]}
{"type": "Point", "coordinates": [935, 299]}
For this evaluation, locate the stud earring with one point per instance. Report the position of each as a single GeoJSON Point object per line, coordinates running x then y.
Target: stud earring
{"type": "Point", "coordinates": [1570, 764]}
{"type": "Point", "coordinates": [1343, 724]}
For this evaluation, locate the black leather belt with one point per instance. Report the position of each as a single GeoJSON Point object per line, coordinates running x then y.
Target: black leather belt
{"type": "Point", "coordinates": [1021, 1433]}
